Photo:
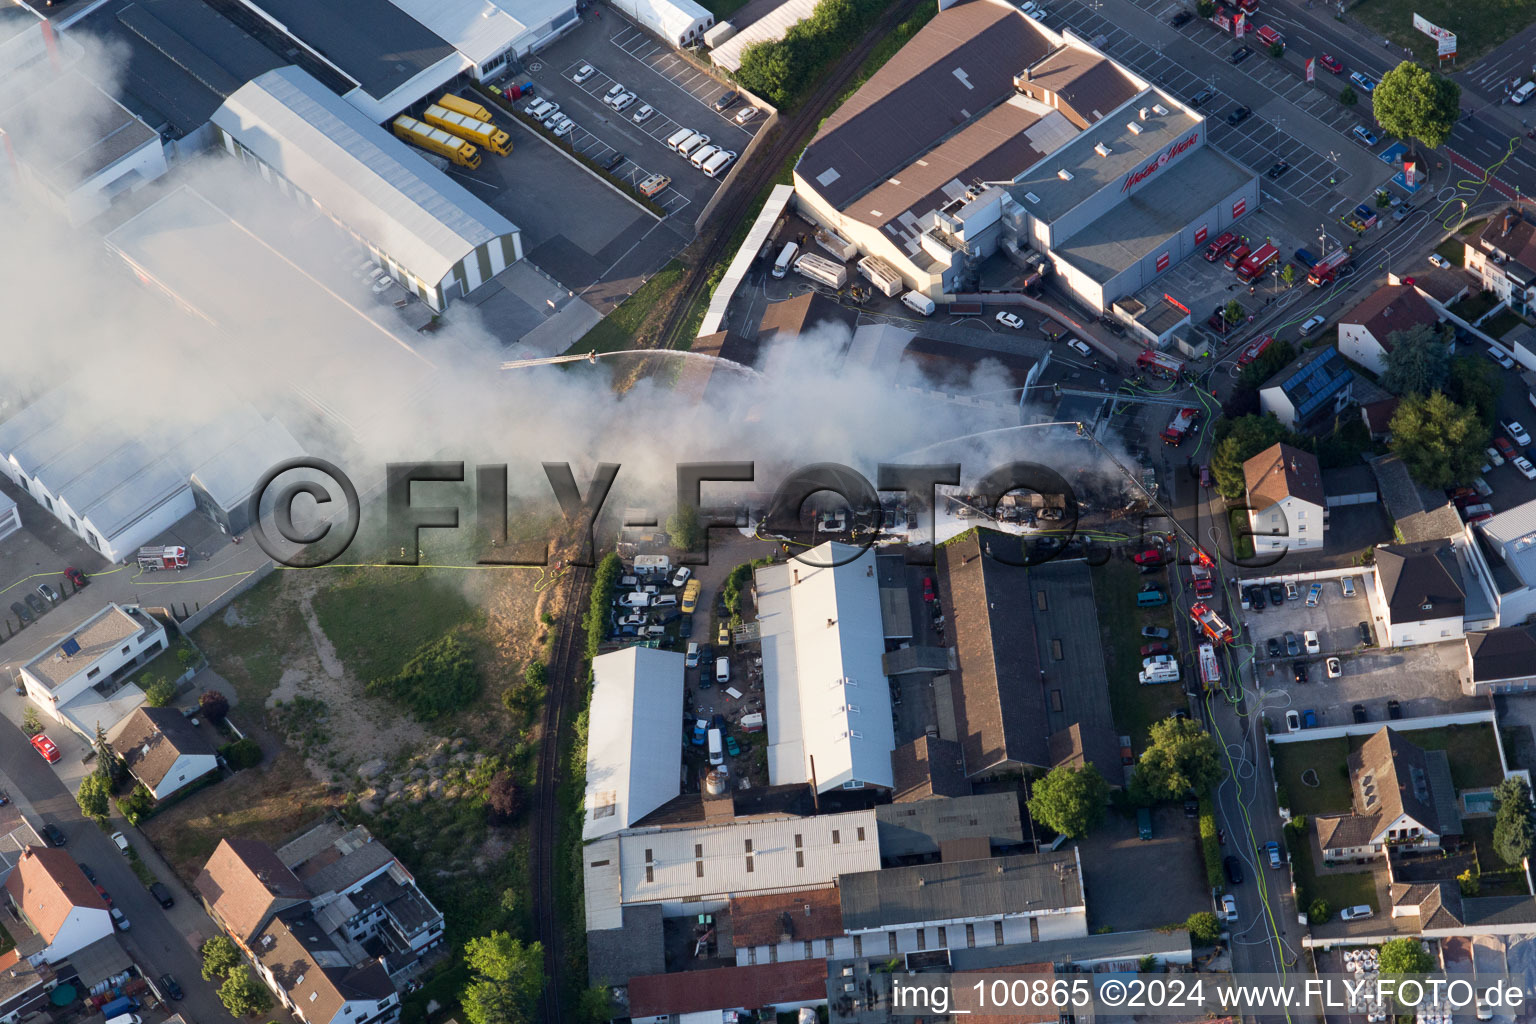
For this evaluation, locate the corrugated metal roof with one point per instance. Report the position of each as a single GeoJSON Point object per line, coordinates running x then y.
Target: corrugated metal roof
{"type": "Point", "coordinates": [956, 68]}
{"type": "Point", "coordinates": [601, 885]}
{"type": "Point", "coordinates": [770, 26]}
{"type": "Point", "coordinates": [1514, 533]}
{"type": "Point", "coordinates": [712, 860]}
{"type": "Point", "coordinates": [958, 890]}
{"type": "Point", "coordinates": [481, 29]}
{"type": "Point", "coordinates": [379, 45]}
{"type": "Point", "coordinates": [823, 639]}
{"type": "Point", "coordinates": [360, 173]}
{"type": "Point", "coordinates": [633, 737]}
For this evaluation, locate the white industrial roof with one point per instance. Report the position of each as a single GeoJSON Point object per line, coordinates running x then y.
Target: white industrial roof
{"type": "Point", "coordinates": [712, 861]}
{"type": "Point", "coordinates": [480, 29]}
{"type": "Point", "coordinates": [769, 27]}
{"type": "Point", "coordinates": [670, 17]}
{"type": "Point", "coordinates": [1514, 533]}
{"type": "Point", "coordinates": [359, 172]}
{"type": "Point", "coordinates": [600, 885]}
{"type": "Point", "coordinates": [634, 737]}
{"type": "Point", "coordinates": [825, 692]}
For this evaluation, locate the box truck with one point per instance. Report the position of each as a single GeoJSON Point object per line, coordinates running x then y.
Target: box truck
{"type": "Point", "coordinates": [819, 268]}
{"type": "Point", "coordinates": [882, 275]}
{"type": "Point", "coordinates": [482, 133]}
{"type": "Point", "coordinates": [468, 108]}
{"type": "Point", "coordinates": [435, 140]}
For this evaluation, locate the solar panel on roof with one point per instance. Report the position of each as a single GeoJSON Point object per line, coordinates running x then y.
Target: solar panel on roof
{"type": "Point", "coordinates": [70, 646]}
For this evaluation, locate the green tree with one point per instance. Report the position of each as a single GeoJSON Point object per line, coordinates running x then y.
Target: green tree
{"type": "Point", "coordinates": [1405, 956]}
{"type": "Point", "coordinates": [219, 957]}
{"type": "Point", "coordinates": [1441, 442]}
{"type": "Point", "coordinates": [1288, 274]}
{"type": "Point", "coordinates": [1418, 361]}
{"type": "Point", "coordinates": [1318, 912]}
{"type": "Point", "coordinates": [1348, 97]}
{"type": "Point", "coordinates": [1181, 756]}
{"type": "Point", "coordinates": [508, 977]}
{"type": "Point", "coordinates": [30, 722]}
{"type": "Point", "coordinates": [94, 798]}
{"type": "Point", "coordinates": [1232, 312]}
{"type": "Point", "coordinates": [595, 1006]}
{"type": "Point", "coordinates": [1277, 50]}
{"type": "Point", "coordinates": [1474, 382]}
{"type": "Point", "coordinates": [683, 529]}
{"type": "Point", "coordinates": [1267, 364]}
{"type": "Point", "coordinates": [241, 754]}
{"type": "Point", "coordinates": [160, 692]}
{"type": "Point", "coordinates": [1513, 832]}
{"type": "Point", "coordinates": [242, 995]}
{"type": "Point", "coordinates": [1205, 8]}
{"type": "Point", "coordinates": [1070, 800]}
{"type": "Point", "coordinates": [1246, 438]}
{"type": "Point", "coordinates": [1418, 105]}
{"type": "Point", "coordinates": [1203, 927]}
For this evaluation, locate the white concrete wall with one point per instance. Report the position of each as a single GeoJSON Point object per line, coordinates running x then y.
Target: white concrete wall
{"type": "Point", "coordinates": [187, 770]}
{"type": "Point", "coordinates": [1289, 524]}
{"type": "Point", "coordinates": [83, 926]}
{"type": "Point", "coordinates": [1360, 345]}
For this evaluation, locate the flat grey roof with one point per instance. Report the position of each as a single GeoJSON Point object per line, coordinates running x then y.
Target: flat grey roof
{"type": "Point", "coordinates": [955, 890]}
{"type": "Point", "coordinates": [374, 41]}
{"type": "Point", "coordinates": [1091, 172]}
{"type": "Point", "coordinates": [957, 67]}
{"type": "Point", "coordinates": [1144, 222]}
{"type": "Point", "coordinates": [918, 827]}
{"type": "Point", "coordinates": [1085, 950]}
{"type": "Point", "coordinates": [105, 131]}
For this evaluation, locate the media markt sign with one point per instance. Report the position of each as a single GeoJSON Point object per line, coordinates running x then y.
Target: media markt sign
{"type": "Point", "coordinates": [1138, 176]}
{"type": "Point", "coordinates": [1444, 39]}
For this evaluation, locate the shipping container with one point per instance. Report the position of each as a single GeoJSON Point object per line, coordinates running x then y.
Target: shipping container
{"type": "Point", "coordinates": [462, 106]}
{"type": "Point", "coordinates": [819, 268]}
{"type": "Point", "coordinates": [882, 275]}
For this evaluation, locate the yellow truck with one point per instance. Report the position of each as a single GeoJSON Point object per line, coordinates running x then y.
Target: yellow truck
{"type": "Point", "coordinates": [468, 108]}
{"type": "Point", "coordinates": [435, 140]}
{"type": "Point", "coordinates": [482, 133]}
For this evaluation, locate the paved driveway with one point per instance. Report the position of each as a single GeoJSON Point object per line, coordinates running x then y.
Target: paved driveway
{"type": "Point", "coordinates": [159, 940]}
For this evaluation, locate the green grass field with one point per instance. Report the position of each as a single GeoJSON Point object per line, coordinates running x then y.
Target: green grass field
{"type": "Point", "coordinates": [1343, 890]}
{"type": "Point", "coordinates": [1480, 25]}
{"type": "Point", "coordinates": [1136, 707]}
{"type": "Point", "coordinates": [1322, 758]}
{"type": "Point", "coordinates": [618, 329]}
{"type": "Point", "coordinates": [378, 619]}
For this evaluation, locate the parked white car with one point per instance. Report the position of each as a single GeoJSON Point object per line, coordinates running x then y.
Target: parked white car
{"type": "Point", "coordinates": [1229, 907]}
{"type": "Point", "coordinates": [1527, 470]}
{"type": "Point", "coordinates": [615, 94]}
{"type": "Point", "coordinates": [1517, 433]}
{"type": "Point", "coordinates": [624, 102]}
{"type": "Point", "coordinates": [564, 128]}
{"type": "Point", "coordinates": [1358, 913]}
{"type": "Point", "coordinates": [1081, 348]}
{"type": "Point", "coordinates": [583, 73]}
{"type": "Point", "coordinates": [643, 114]}
{"type": "Point", "coordinates": [1011, 320]}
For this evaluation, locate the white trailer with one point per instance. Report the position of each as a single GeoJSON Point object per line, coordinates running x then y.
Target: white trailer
{"type": "Point", "coordinates": [819, 268]}
{"type": "Point", "coordinates": [882, 275]}
{"type": "Point", "coordinates": [836, 244]}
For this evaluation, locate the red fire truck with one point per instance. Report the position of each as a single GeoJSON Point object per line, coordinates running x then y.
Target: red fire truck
{"type": "Point", "coordinates": [1181, 426]}
{"type": "Point", "coordinates": [1210, 668]}
{"type": "Point", "coordinates": [1210, 623]}
{"type": "Point", "coordinates": [1159, 364]}
{"type": "Point", "coordinates": [1258, 262]}
{"type": "Point", "coordinates": [155, 559]}
{"type": "Point", "coordinates": [1326, 269]}
{"type": "Point", "coordinates": [1255, 350]}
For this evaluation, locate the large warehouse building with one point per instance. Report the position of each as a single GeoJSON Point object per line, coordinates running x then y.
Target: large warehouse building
{"type": "Point", "coordinates": [429, 232]}
{"type": "Point", "coordinates": [989, 132]}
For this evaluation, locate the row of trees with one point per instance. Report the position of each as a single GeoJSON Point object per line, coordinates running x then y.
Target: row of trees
{"type": "Point", "coordinates": [782, 70]}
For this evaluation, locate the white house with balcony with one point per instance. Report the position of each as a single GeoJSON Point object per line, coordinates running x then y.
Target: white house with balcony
{"type": "Point", "coordinates": [86, 665]}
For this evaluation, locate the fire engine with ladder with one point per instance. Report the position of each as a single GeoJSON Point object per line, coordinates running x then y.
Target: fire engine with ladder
{"type": "Point", "coordinates": [1210, 623]}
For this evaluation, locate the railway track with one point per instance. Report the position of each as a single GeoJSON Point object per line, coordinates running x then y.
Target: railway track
{"type": "Point", "coordinates": [793, 136]}
{"type": "Point", "coordinates": [564, 685]}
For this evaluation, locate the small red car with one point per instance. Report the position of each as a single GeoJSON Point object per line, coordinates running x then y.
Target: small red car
{"type": "Point", "coordinates": [1216, 249]}
{"type": "Point", "coordinates": [1151, 556]}
{"type": "Point", "coordinates": [1505, 448]}
{"type": "Point", "coordinates": [106, 896]}
{"type": "Point", "coordinates": [76, 577]}
{"type": "Point", "coordinates": [928, 594]}
{"type": "Point", "coordinates": [1331, 62]}
{"type": "Point", "coordinates": [1160, 647]}
{"type": "Point", "coordinates": [43, 745]}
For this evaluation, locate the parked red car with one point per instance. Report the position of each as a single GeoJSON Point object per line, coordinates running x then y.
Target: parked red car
{"type": "Point", "coordinates": [1151, 556]}
{"type": "Point", "coordinates": [75, 576]}
{"type": "Point", "coordinates": [1147, 650]}
{"type": "Point", "coordinates": [928, 594]}
{"type": "Point", "coordinates": [1331, 62]}
{"type": "Point", "coordinates": [1218, 248]}
{"type": "Point", "coordinates": [1505, 448]}
{"type": "Point", "coordinates": [43, 745]}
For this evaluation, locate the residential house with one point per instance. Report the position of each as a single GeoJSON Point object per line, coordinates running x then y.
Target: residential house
{"type": "Point", "coordinates": [1377, 417]}
{"type": "Point", "coordinates": [1506, 562]}
{"type": "Point", "coordinates": [1503, 257]}
{"type": "Point", "coordinates": [1313, 387]}
{"type": "Point", "coordinates": [1500, 660]}
{"type": "Point", "coordinates": [243, 885]}
{"type": "Point", "coordinates": [49, 893]}
{"type": "Point", "coordinates": [366, 899]}
{"type": "Point", "coordinates": [314, 980]}
{"type": "Point", "coordinates": [95, 656]}
{"type": "Point", "coordinates": [1402, 797]}
{"type": "Point", "coordinates": [1287, 509]}
{"type": "Point", "coordinates": [163, 750]}
{"type": "Point", "coordinates": [1420, 588]}
{"type": "Point", "coordinates": [825, 691]}
{"type": "Point", "coordinates": [1365, 332]}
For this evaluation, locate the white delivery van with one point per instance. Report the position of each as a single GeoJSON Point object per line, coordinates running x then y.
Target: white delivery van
{"type": "Point", "coordinates": [716, 747]}
{"type": "Point", "coordinates": [919, 302]}
{"type": "Point", "coordinates": [664, 601]}
{"type": "Point", "coordinates": [752, 722]}
{"type": "Point", "coordinates": [702, 154]}
{"type": "Point", "coordinates": [1163, 673]}
{"type": "Point", "coordinates": [718, 163]}
{"type": "Point", "coordinates": [692, 143]}
{"type": "Point", "coordinates": [722, 670]}
{"type": "Point", "coordinates": [636, 599]}
{"type": "Point", "coordinates": [786, 257]}
{"type": "Point", "coordinates": [678, 137]}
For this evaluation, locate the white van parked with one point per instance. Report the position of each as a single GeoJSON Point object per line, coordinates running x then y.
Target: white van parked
{"type": "Point", "coordinates": [678, 137]}
{"type": "Point", "coordinates": [919, 302]}
{"type": "Point", "coordinates": [716, 747]}
{"type": "Point", "coordinates": [538, 109]}
{"type": "Point", "coordinates": [702, 154]}
{"type": "Point", "coordinates": [786, 257]}
{"type": "Point", "coordinates": [692, 143]}
{"type": "Point", "coordinates": [718, 163]}
{"type": "Point", "coordinates": [722, 670]}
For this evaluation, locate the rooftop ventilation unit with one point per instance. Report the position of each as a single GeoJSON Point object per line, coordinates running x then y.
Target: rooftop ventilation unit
{"type": "Point", "coordinates": [1101, 149]}
{"type": "Point", "coordinates": [1031, 197]}
{"type": "Point", "coordinates": [1159, 110]}
{"type": "Point", "coordinates": [1134, 128]}
{"type": "Point", "coordinates": [1064, 174]}
{"type": "Point", "coordinates": [1144, 113]}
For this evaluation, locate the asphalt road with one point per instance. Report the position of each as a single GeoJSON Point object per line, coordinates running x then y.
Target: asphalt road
{"type": "Point", "coordinates": [158, 938]}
